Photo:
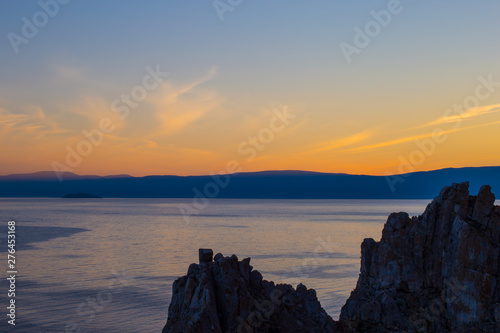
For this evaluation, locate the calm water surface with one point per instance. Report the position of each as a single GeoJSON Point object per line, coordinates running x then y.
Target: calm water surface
{"type": "Point", "coordinates": [107, 265]}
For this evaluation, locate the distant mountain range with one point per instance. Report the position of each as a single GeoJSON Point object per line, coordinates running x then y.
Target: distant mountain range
{"type": "Point", "coordinates": [265, 184]}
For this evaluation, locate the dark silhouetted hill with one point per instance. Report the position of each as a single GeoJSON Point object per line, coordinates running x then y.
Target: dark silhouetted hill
{"type": "Point", "coordinates": [265, 184]}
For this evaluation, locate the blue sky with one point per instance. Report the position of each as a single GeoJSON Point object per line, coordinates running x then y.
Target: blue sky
{"type": "Point", "coordinates": [263, 55]}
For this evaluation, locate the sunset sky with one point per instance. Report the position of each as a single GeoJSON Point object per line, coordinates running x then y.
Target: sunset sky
{"type": "Point", "coordinates": [273, 85]}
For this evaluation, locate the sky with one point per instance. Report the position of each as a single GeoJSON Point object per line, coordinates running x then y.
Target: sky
{"type": "Point", "coordinates": [197, 87]}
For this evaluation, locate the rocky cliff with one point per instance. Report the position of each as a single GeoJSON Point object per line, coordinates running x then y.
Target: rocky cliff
{"type": "Point", "coordinates": [438, 272]}
{"type": "Point", "coordinates": [227, 295]}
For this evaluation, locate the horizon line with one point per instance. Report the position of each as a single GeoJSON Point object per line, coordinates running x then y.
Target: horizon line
{"type": "Point", "coordinates": [242, 172]}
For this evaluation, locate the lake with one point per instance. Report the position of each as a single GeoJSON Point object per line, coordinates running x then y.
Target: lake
{"type": "Point", "coordinates": [107, 265]}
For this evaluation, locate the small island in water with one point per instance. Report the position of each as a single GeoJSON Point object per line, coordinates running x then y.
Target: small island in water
{"type": "Point", "coordinates": [80, 196]}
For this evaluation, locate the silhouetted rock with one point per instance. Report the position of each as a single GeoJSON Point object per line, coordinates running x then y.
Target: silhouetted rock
{"type": "Point", "coordinates": [438, 272]}
{"type": "Point", "coordinates": [205, 255]}
{"type": "Point", "coordinates": [226, 295]}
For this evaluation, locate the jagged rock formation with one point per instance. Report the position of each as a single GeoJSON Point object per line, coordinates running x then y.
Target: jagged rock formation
{"type": "Point", "coordinates": [438, 272]}
{"type": "Point", "coordinates": [226, 295]}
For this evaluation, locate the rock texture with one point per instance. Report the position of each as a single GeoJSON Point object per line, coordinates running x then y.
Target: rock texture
{"type": "Point", "coordinates": [438, 272]}
{"type": "Point", "coordinates": [226, 295]}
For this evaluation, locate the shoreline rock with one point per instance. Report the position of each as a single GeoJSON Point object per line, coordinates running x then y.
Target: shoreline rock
{"type": "Point", "coordinates": [227, 295]}
{"type": "Point", "coordinates": [438, 272]}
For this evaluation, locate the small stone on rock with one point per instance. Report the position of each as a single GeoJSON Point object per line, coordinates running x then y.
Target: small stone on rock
{"type": "Point", "coordinates": [205, 255]}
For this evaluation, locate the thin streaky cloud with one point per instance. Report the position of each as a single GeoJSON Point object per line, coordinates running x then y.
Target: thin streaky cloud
{"type": "Point", "coordinates": [210, 75]}
{"type": "Point", "coordinates": [470, 113]}
{"type": "Point", "coordinates": [355, 138]}
{"type": "Point", "coordinates": [417, 137]}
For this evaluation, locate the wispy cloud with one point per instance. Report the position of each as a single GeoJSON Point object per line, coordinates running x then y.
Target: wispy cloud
{"type": "Point", "coordinates": [417, 137]}
{"type": "Point", "coordinates": [166, 110]}
{"type": "Point", "coordinates": [210, 75]}
{"type": "Point", "coordinates": [339, 143]}
{"type": "Point", "coordinates": [33, 122]}
{"type": "Point", "coordinates": [178, 108]}
{"type": "Point", "coordinates": [90, 109]}
{"type": "Point", "coordinates": [468, 114]}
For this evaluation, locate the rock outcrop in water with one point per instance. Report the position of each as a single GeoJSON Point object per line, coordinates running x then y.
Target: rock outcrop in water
{"type": "Point", "coordinates": [438, 272]}
{"type": "Point", "coordinates": [227, 295]}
